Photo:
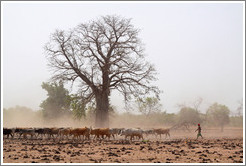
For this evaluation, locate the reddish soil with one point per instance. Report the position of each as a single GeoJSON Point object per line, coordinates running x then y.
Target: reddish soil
{"type": "Point", "coordinates": [181, 147]}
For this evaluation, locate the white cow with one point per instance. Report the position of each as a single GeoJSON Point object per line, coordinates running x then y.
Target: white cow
{"type": "Point", "coordinates": [147, 132]}
{"type": "Point", "coordinates": [132, 133]}
{"type": "Point", "coordinates": [115, 131]}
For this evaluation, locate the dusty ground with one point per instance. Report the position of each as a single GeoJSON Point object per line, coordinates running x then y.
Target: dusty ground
{"type": "Point", "coordinates": [181, 147]}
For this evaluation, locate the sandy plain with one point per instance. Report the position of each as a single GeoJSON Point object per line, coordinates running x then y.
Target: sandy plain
{"type": "Point", "coordinates": [181, 147]}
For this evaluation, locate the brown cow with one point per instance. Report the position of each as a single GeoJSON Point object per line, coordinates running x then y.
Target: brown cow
{"type": "Point", "coordinates": [100, 132]}
{"type": "Point", "coordinates": [77, 132]}
{"type": "Point", "coordinates": [162, 131]}
{"type": "Point", "coordinates": [64, 132]}
{"type": "Point", "coordinates": [52, 131]}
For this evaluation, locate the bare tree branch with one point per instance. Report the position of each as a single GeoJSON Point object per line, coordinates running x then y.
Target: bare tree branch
{"type": "Point", "coordinates": [104, 55]}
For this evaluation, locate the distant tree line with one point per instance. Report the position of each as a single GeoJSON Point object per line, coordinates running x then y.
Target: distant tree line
{"type": "Point", "coordinates": [59, 102]}
{"type": "Point", "coordinates": [24, 115]}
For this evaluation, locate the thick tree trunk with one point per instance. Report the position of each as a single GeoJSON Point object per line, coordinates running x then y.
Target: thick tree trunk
{"type": "Point", "coordinates": [102, 107]}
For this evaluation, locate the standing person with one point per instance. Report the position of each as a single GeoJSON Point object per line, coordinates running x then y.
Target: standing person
{"type": "Point", "coordinates": [199, 129]}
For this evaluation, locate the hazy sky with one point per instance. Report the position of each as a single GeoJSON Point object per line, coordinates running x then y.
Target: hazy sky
{"type": "Point", "coordinates": [197, 48]}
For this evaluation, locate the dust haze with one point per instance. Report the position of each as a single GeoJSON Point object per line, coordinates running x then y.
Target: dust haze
{"type": "Point", "coordinates": [28, 118]}
{"type": "Point", "coordinates": [25, 117]}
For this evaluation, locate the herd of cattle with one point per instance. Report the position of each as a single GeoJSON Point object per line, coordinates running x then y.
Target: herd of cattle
{"type": "Point", "coordinates": [85, 133]}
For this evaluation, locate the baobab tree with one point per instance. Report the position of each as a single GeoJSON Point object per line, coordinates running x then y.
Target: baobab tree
{"type": "Point", "coordinates": [103, 55]}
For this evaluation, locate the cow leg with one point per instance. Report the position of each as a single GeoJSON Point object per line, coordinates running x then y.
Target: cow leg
{"type": "Point", "coordinates": [61, 136]}
{"type": "Point", "coordinates": [95, 137]}
{"type": "Point", "coordinates": [49, 136]}
{"type": "Point", "coordinates": [74, 136]}
{"type": "Point", "coordinates": [167, 134]}
{"type": "Point", "coordinates": [54, 138]}
{"type": "Point", "coordinates": [88, 136]}
{"type": "Point", "coordinates": [83, 137]}
{"type": "Point", "coordinates": [24, 136]}
{"type": "Point", "coordinates": [20, 135]}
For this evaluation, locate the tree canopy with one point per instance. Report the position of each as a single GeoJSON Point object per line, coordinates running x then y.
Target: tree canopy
{"type": "Point", "coordinates": [148, 105]}
{"type": "Point", "coordinates": [189, 115]}
{"type": "Point", "coordinates": [218, 114]}
{"type": "Point", "coordinates": [102, 55]}
{"type": "Point", "coordinates": [58, 100]}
